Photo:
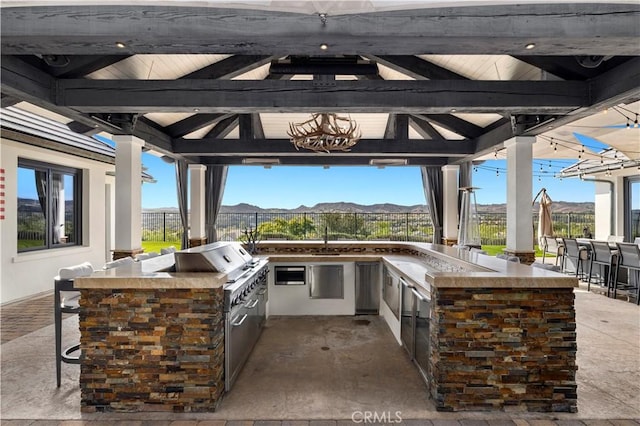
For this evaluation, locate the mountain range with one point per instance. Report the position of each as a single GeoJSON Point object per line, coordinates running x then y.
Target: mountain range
{"type": "Point", "coordinates": [343, 207]}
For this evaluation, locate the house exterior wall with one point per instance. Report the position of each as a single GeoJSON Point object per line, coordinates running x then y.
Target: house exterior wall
{"type": "Point", "coordinates": [603, 200]}
{"type": "Point", "coordinates": [619, 203]}
{"type": "Point", "coordinates": [27, 274]}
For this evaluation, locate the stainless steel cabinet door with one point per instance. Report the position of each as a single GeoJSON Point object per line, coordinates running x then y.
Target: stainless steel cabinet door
{"type": "Point", "coordinates": [423, 339]}
{"type": "Point", "coordinates": [326, 281]}
{"type": "Point", "coordinates": [407, 329]}
{"type": "Point", "coordinates": [367, 287]}
{"type": "Point", "coordinates": [391, 291]}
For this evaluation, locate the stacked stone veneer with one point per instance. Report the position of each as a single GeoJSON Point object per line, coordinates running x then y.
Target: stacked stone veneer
{"type": "Point", "coordinates": [503, 349]}
{"type": "Point", "coordinates": [151, 349]}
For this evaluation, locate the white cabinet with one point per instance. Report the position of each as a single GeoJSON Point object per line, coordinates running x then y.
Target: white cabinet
{"type": "Point", "coordinates": [297, 300]}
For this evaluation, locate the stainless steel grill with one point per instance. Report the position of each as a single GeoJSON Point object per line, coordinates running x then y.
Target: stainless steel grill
{"type": "Point", "coordinates": [245, 296]}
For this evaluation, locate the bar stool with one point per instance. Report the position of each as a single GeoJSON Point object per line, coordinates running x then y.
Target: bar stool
{"type": "Point", "coordinates": [606, 258]}
{"type": "Point", "coordinates": [628, 257]}
{"type": "Point", "coordinates": [574, 251]}
{"type": "Point", "coordinates": [551, 245]}
{"type": "Point", "coordinates": [66, 300]}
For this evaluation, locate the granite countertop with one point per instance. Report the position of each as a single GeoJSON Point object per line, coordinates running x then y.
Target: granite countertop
{"type": "Point", "coordinates": [150, 273]}
{"type": "Point", "coordinates": [424, 264]}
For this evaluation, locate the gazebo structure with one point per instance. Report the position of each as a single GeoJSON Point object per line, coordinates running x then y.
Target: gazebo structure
{"type": "Point", "coordinates": [213, 84]}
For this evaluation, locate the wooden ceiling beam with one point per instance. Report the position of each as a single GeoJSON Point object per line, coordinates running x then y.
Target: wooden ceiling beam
{"type": "Point", "coordinates": [424, 128]}
{"type": "Point", "coordinates": [230, 67]}
{"type": "Point", "coordinates": [568, 68]}
{"type": "Point", "coordinates": [283, 147]}
{"type": "Point", "coordinates": [8, 101]}
{"type": "Point", "coordinates": [341, 159]}
{"type": "Point", "coordinates": [82, 65]}
{"type": "Point", "coordinates": [390, 129]}
{"type": "Point", "coordinates": [556, 28]}
{"type": "Point", "coordinates": [416, 68]}
{"type": "Point", "coordinates": [454, 124]}
{"type": "Point", "coordinates": [223, 127]}
{"type": "Point", "coordinates": [258, 130]}
{"type": "Point", "coordinates": [615, 86]}
{"type": "Point", "coordinates": [193, 123]}
{"type": "Point", "coordinates": [246, 96]}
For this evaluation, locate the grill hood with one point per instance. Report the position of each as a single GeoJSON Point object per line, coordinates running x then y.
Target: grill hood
{"type": "Point", "coordinates": [224, 257]}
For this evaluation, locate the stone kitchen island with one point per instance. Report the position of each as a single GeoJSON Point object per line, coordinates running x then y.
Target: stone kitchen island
{"type": "Point", "coordinates": [151, 341]}
{"type": "Point", "coordinates": [502, 335]}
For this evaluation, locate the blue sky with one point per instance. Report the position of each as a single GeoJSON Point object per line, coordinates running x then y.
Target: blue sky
{"type": "Point", "coordinates": [289, 186]}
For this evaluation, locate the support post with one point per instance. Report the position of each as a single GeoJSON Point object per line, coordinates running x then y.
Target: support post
{"type": "Point", "coordinates": [450, 204]}
{"type": "Point", "coordinates": [128, 196]}
{"type": "Point", "coordinates": [198, 234]}
{"type": "Point", "coordinates": [519, 195]}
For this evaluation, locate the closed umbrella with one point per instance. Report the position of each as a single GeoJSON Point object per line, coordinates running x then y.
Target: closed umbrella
{"type": "Point", "coordinates": [545, 225]}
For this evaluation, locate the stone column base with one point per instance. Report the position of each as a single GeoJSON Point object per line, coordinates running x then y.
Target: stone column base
{"type": "Point", "coordinates": [449, 241]}
{"type": "Point", "coordinates": [119, 254]}
{"type": "Point", "coordinates": [526, 257]}
{"type": "Point", "coordinates": [195, 242]}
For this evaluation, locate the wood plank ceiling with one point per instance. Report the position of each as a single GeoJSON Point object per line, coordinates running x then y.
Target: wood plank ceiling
{"type": "Point", "coordinates": [431, 86]}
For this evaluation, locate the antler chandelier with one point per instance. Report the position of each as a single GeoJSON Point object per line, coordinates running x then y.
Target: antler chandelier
{"type": "Point", "coordinates": [325, 133]}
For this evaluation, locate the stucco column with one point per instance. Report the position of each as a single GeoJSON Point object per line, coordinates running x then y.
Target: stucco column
{"type": "Point", "coordinates": [450, 204]}
{"type": "Point", "coordinates": [519, 195]}
{"type": "Point", "coordinates": [198, 234]}
{"type": "Point", "coordinates": [128, 196]}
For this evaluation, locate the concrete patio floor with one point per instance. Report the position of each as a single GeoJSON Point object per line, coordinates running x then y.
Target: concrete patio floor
{"type": "Point", "coordinates": [608, 377]}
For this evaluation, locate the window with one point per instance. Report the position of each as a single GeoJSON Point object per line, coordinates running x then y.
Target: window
{"type": "Point", "coordinates": [48, 206]}
{"type": "Point", "coordinates": [632, 208]}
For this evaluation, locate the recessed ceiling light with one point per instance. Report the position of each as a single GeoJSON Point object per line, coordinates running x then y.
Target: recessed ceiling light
{"type": "Point", "coordinates": [196, 109]}
{"type": "Point", "coordinates": [530, 46]}
{"type": "Point", "coordinates": [324, 46]}
{"type": "Point", "coordinates": [453, 110]}
{"type": "Point", "coordinates": [120, 45]}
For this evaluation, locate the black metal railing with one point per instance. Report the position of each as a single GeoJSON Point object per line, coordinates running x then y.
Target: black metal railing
{"type": "Point", "coordinates": [493, 226]}
{"type": "Point", "coordinates": [166, 226]}
{"type": "Point", "coordinates": [338, 226]}
{"type": "Point", "coordinates": [161, 226]}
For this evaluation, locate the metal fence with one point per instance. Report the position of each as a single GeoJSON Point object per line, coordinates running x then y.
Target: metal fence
{"type": "Point", "coordinates": [161, 226]}
{"type": "Point", "coordinates": [338, 226]}
{"type": "Point", "coordinates": [493, 226]}
{"type": "Point", "coordinates": [166, 226]}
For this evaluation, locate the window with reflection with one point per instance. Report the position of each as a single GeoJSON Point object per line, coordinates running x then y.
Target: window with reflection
{"type": "Point", "coordinates": [48, 206]}
{"type": "Point", "coordinates": [632, 207]}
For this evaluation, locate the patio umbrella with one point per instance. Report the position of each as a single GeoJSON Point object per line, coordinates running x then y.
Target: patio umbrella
{"type": "Point", "coordinates": [545, 225]}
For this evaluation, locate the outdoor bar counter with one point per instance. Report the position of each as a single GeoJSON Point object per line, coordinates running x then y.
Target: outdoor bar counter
{"type": "Point", "coordinates": [502, 335]}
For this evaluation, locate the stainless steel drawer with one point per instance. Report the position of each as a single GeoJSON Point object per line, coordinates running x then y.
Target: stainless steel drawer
{"type": "Point", "coordinates": [326, 281]}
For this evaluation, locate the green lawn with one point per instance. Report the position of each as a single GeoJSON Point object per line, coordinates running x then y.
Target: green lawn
{"type": "Point", "coordinates": [156, 246]}
{"type": "Point", "coordinates": [493, 250]}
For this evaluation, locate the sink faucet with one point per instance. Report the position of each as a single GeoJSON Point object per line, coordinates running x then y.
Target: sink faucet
{"type": "Point", "coordinates": [326, 237]}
